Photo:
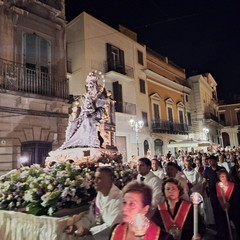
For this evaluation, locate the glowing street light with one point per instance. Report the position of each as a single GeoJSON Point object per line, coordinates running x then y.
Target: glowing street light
{"type": "Point", "coordinates": [136, 126]}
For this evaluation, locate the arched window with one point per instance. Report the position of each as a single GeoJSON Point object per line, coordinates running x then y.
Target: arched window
{"type": "Point", "coordinates": [36, 152]}
{"type": "Point", "coordinates": [145, 147]}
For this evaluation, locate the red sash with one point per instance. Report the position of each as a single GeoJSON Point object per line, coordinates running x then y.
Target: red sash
{"type": "Point", "coordinates": [228, 193]}
{"type": "Point", "coordinates": [180, 217]}
{"type": "Point", "coordinates": [120, 232]}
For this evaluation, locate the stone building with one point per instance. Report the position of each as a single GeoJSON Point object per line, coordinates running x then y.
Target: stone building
{"type": "Point", "coordinates": [204, 108]}
{"type": "Point", "coordinates": [33, 82]}
{"type": "Point", "coordinates": [169, 98]}
{"type": "Point", "coordinates": [229, 116]}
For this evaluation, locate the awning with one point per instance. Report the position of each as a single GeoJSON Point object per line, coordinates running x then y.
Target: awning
{"type": "Point", "coordinates": [188, 143]}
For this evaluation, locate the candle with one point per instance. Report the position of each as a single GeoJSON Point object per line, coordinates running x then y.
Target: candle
{"type": "Point", "coordinates": [140, 225]}
{"type": "Point", "coordinates": [196, 200]}
{"type": "Point", "coordinates": [195, 220]}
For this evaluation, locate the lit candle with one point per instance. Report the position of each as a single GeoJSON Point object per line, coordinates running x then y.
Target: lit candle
{"type": "Point", "coordinates": [139, 222]}
{"type": "Point", "coordinates": [140, 225]}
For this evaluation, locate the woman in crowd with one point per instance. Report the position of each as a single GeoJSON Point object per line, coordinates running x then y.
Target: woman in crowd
{"type": "Point", "coordinates": [199, 167]}
{"type": "Point", "coordinates": [228, 194]}
{"type": "Point", "coordinates": [137, 198]}
{"type": "Point", "coordinates": [235, 172]}
{"type": "Point", "coordinates": [176, 215]}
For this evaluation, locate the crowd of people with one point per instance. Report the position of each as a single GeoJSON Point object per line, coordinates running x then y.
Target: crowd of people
{"type": "Point", "coordinates": [160, 194]}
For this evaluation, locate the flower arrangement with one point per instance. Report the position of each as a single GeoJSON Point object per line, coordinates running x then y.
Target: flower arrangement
{"type": "Point", "coordinates": [43, 191]}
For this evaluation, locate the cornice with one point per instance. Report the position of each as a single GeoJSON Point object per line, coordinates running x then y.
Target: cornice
{"type": "Point", "coordinates": [166, 83]}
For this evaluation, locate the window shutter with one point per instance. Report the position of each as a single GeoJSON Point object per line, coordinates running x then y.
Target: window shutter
{"type": "Point", "coordinates": [31, 49]}
{"type": "Point", "coordinates": [122, 63]}
{"type": "Point", "coordinates": [109, 56]}
{"type": "Point", "coordinates": [117, 94]}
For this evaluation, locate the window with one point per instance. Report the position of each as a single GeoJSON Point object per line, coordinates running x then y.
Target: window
{"type": "Point", "coordinates": [238, 117]}
{"type": "Point", "coordinates": [189, 119]}
{"type": "Point", "coordinates": [222, 118]}
{"type": "Point", "coordinates": [145, 119]}
{"type": "Point", "coordinates": [186, 97]}
{"type": "Point", "coordinates": [181, 117]}
{"type": "Point", "coordinates": [36, 53]}
{"type": "Point", "coordinates": [145, 147]}
{"type": "Point", "coordinates": [156, 112]}
{"type": "Point", "coordinates": [36, 152]}
{"type": "Point", "coordinates": [115, 59]}
{"type": "Point", "coordinates": [142, 86]}
{"type": "Point", "coordinates": [117, 95]}
{"type": "Point", "coordinates": [170, 114]}
{"type": "Point", "coordinates": [140, 57]}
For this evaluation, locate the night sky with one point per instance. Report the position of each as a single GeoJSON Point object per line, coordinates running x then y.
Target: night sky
{"type": "Point", "coordinates": [198, 35]}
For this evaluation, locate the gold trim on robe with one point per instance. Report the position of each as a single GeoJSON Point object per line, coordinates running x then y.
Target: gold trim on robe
{"type": "Point", "coordinates": [178, 220]}
{"type": "Point", "coordinates": [120, 232]}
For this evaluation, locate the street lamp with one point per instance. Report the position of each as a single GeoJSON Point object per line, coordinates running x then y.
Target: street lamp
{"type": "Point", "coordinates": [136, 126]}
{"type": "Point", "coordinates": [206, 131]}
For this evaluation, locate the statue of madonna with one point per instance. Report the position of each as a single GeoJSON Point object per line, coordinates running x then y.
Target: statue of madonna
{"type": "Point", "coordinates": [83, 122]}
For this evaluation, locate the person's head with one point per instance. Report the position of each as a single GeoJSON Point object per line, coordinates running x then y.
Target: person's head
{"type": "Point", "coordinates": [171, 189]}
{"type": "Point", "coordinates": [144, 166]}
{"type": "Point", "coordinates": [205, 160]}
{"type": "Point", "coordinates": [198, 162]}
{"type": "Point", "coordinates": [171, 169]}
{"type": "Point", "coordinates": [155, 164]}
{"type": "Point", "coordinates": [137, 198]}
{"type": "Point", "coordinates": [221, 158]}
{"type": "Point", "coordinates": [188, 163]}
{"type": "Point", "coordinates": [103, 179]}
{"type": "Point", "coordinates": [213, 161]}
{"type": "Point", "coordinates": [223, 176]}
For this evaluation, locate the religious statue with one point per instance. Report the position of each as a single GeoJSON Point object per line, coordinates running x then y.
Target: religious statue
{"type": "Point", "coordinates": [86, 118]}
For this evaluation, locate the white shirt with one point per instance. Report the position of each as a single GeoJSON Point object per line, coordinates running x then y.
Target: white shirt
{"type": "Point", "coordinates": [159, 173]}
{"type": "Point", "coordinates": [156, 184]}
{"type": "Point", "coordinates": [183, 182]}
{"type": "Point", "coordinates": [111, 212]}
{"type": "Point", "coordinates": [195, 179]}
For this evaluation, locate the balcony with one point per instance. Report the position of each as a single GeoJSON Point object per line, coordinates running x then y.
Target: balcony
{"type": "Point", "coordinates": [125, 107]}
{"type": "Point", "coordinates": [159, 126]}
{"type": "Point", "coordinates": [210, 116]}
{"type": "Point", "coordinates": [118, 72]}
{"type": "Point", "coordinates": [17, 77]}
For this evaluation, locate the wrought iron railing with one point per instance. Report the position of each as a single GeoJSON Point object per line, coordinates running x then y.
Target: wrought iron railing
{"type": "Point", "coordinates": [160, 126]}
{"type": "Point", "coordinates": [17, 77]}
{"type": "Point", "coordinates": [211, 116]}
{"type": "Point", "coordinates": [118, 67]}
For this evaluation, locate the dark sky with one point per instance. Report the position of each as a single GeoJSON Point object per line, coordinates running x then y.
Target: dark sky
{"type": "Point", "coordinates": [198, 35]}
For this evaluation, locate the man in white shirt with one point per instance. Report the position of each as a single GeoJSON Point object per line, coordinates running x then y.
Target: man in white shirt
{"type": "Point", "coordinates": [156, 169]}
{"type": "Point", "coordinates": [194, 178]}
{"type": "Point", "coordinates": [146, 175]}
{"type": "Point", "coordinates": [106, 210]}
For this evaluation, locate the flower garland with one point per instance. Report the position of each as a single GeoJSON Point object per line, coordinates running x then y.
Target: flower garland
{"type": "Point", "coordinates": [43, 191]}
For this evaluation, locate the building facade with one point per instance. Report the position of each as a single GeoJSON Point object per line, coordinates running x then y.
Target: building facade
{"type": "Point", "coordinates": [204, 108]}
{"type": "Point", "coordinates": [169, 103]}
{"type": "Point", "coordinates": [229, 116]}
{"type": "Point", "coordinates": [33, 82]}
